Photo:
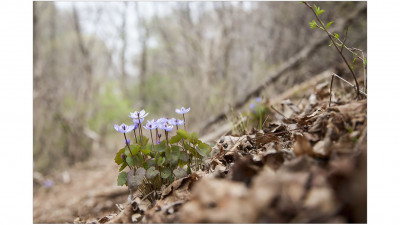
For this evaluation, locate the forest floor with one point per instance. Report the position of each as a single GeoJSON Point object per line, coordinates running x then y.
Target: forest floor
{"type": "Point", "coordinates": [307, 165]}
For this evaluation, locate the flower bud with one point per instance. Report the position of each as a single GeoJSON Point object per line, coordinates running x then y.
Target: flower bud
{"type": "Point", "coordinates": [128, 141]}
{"type": "Point", "coordinates": [123, 156]}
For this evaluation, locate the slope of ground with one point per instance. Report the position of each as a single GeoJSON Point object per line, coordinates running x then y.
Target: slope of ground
{"type": "Point", "coordinates": [307, 165]}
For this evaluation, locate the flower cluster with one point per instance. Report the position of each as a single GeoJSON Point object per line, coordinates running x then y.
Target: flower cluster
{"type": "Point", "coordinates": [161, 160]}
{"type": "Point", "coordinates": [161, 123]}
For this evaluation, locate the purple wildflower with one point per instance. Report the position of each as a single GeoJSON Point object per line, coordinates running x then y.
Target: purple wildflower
{"type": "Point", "coordinates": [137, 121]}
{"type": "Point", "coordinates": [124, 128]}
{"type": "Point", "coordinates": [150, 125]}
{"type": "Point", "coordinates": [252, 106]}
{"type": "Point", "coordinates": [139, 115]}
{"type": "Point", "coordinates": [166, 127]}
{"type": "Point", "coordinates": [258, 99]}
{"type": "Point", "coordinates": [48, 183]}
{"type": "Point", "coordinates": [175, 122]}
{"type": "Point", "coordinates": [182, 110]}
{"type": "Point", "coordinates": [128, 142]}
{"type": "Point", "coordinates": [162, 120]}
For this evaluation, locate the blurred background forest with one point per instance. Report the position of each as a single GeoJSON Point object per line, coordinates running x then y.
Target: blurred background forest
{"type": "Point", "coordinates": [96, 62]}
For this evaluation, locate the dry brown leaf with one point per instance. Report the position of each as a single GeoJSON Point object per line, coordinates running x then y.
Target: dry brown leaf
{"type": "Point", "coordinates": [218, 201]}
{"type": "Point", "coordinates": [302, 146]}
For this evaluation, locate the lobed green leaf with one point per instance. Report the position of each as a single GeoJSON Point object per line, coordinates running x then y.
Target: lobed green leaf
{"type": "Point", "coordinates": [165, 173]}
{"type": "Point", "coordinates": [151, 172]}
{"type": "Point", "coordinates": [122, 178]}
{"type": "Point", "coordinates": [203, 149]}
{"type": "Point", "coordinates": [179, 173]}
{"type": "Point", "coordinates": [160, 147]}
{"type": "Point", "coordinates": [118, 160]}
{"type": "Point", "coordinates": [160, 161]}
{"type": "Point", "coordinates": [183, 133]}
{"type": "Point", "coordinates": [130, 161]}
{"type": "Point", "coordinates": [175, 139]}
{"type": "Point", "coordinates": [123, 166]}
{"type": "Point", "coordinates": [193, 138]}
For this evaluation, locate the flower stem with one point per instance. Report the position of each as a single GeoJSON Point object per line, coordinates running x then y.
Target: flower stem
{"type": "Point", "coordinates": [184, 121]}
{"type": "Point", "coordinates": [140, 133]}
{"type": "Point", "coordinates": [166, 137]}
{"type": "Point", "coordinates": [134, 132]}
{"type": "Point", "coordinates": [157, 138]}
{"type": "Point", "coordinates": [129, 149]}
{"type": "Point", "coordinates": [152, 142]}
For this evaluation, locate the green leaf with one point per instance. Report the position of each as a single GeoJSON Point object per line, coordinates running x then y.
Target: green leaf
{"type": "Point", "coordinates": [186, 145]}
{"type": "Point", "coordinates": [146, 151]}
{"type": "Point", "coordinates": [160, 147]}
{"type": "Point", "coordinates": [313, 24]}
{"type": "Point", "coordinates": [145, 165]}
{"type": "Point", "coordinates": [183, 156]}
{"type": "Point", "coordinates": [122, 178]}
{"type": "Point", "coordinates": [183, 133]}
{"type": "Point", "coordinates": [192, 150]}
{"type": "Point", "coordinates": [134, 148]}
{"type": "Point", "coordinates": [330, 44]}
{"type": "Point", "coordinates": [118, 160]}
{"type": "Point", "coordinates": [151, 172]}
{"type": "Point", "coordinates": [172, 153]}
{"type": "Point", "coordinates": [193, 138]}
{"type": "Point", "coordinates": [127, 152]}
{"type": "Point", "coordinates": [320, 12]}
{"type": "Point", "coordinates": [130, 161]}
{"type": "Point", "coordinates": [175, 139]}
{"type": "Point", "coordinates": [160, 161]}
{"type": "Point", "coordinates": [145, 140]}
{"type": "Point", "coordinates": [165, 173]}
{"type": "Point", "coordinates": [123, 166]}
{"type": "Point", "coordinates": [329, 24]}
{"type": "Point", "coordinates": [336, 35]}
{"type": "Point", "coordinates": [151, 162]}
{"type": "Point", "coordinates": [179, 173]}
{"type": "Point", "coordinates": [203, 149]}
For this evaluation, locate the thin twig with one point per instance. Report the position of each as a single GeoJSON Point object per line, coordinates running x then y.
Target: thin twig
{"type": "Point", "coordinates": [337, 48]}
{"type": "Point", "coordinates": [334, 74]}
{"type": "Point", "coordinates": [272, 107]}
{"type": "Point", "coordinates": [365, 74]}
{"type": "Point", "coordinates": [330, 91]}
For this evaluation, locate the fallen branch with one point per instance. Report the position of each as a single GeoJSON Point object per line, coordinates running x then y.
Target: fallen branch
{"type": "Point", "coordinates": [330, 89]}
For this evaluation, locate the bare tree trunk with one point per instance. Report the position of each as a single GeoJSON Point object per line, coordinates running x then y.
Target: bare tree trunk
{"type": "Point", "coordinates": [143, 36]}
{"type": "Point", "coordinates": [35, 39]}
{"type": "Point", "coordinates": [122, 57]}
{"type": "Point", "coordinates": [87, 66]}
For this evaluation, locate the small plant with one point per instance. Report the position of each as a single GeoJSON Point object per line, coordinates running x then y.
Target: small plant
{"type": "Point", "coordinates": [258, 112]}
{"type": "Point", "coordinates": [256, 116]}
{"type": "Point", "coordinates": [160, 162]}
{"type": "Point", "coordinates": [339, 45]}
